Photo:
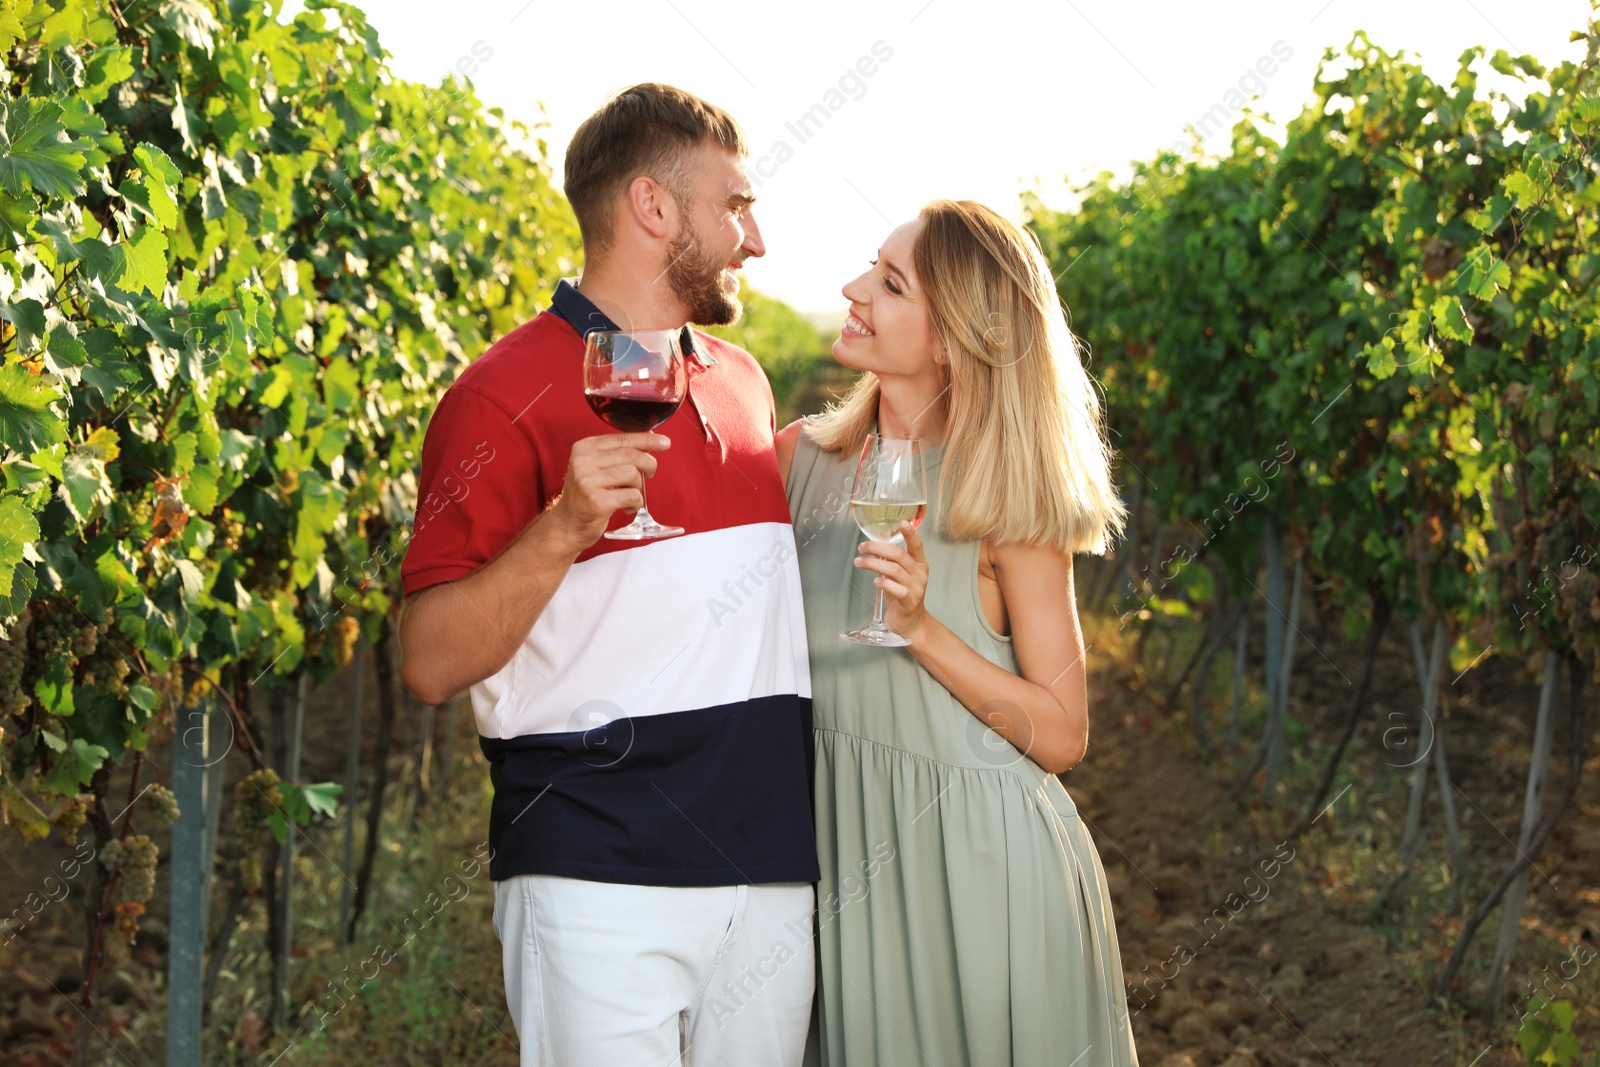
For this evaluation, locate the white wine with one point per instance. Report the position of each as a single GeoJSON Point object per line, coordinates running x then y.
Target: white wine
{"type": "Point", "coordinates": [880, 521]}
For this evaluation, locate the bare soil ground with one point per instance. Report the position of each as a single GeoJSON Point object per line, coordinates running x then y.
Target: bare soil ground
{"type": "Point", "coordinates": [1305, 972]}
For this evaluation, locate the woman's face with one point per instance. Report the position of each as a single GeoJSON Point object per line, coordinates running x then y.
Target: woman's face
{"type": "Point", "coordinates": [888, 330]}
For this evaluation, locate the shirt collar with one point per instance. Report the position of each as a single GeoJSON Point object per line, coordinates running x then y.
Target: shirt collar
{"type": "Point", "coordinates": [581, 314]}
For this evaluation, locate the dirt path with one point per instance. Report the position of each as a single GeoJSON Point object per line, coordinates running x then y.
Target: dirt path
{"type": "Point", "coordinates": [1291, 970]}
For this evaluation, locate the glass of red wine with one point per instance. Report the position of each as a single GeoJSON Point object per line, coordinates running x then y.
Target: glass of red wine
{"type": "Point", "coordinates": [635, 380]}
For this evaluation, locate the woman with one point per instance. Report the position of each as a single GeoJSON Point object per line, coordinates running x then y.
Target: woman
{"type": "Point", "coordinates": [963, 915]}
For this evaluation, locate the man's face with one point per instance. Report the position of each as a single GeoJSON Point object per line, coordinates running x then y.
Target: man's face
{"type": "Point", "coordinates": [718, 234]}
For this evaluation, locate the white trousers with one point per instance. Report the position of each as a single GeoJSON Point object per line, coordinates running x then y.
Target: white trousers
{"type": "Point", "coordinates": [611, 975]}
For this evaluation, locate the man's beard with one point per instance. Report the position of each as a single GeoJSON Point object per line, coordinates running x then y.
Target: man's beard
{"type": "Point", "coordinates": [696, 280]}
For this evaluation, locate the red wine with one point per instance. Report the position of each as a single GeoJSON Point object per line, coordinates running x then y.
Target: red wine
{"type": "Point", "coordinates": [631, 414]}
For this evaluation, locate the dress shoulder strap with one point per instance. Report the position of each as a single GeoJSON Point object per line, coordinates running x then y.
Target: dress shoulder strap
{"type": "Point", "coordinates": [807, 485]}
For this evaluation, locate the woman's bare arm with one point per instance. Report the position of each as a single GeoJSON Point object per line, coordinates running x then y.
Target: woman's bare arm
{"type": "Point", "coordinates": [784, 441]}
{"type": "Point", "coordinates": [1043, 710]}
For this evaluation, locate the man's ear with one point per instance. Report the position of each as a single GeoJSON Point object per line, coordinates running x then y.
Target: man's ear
{"type": "Point", "coordinates": [652, 207]}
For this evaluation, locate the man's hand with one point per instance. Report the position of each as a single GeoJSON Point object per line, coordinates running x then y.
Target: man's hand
{"type": "Point", "coordinates": [605, 474]}
{"type": "Point", "coordinates": [463, 631]}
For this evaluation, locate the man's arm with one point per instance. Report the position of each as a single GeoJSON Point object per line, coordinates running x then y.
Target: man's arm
{"type": "Point", "coordinates": [457, 633]}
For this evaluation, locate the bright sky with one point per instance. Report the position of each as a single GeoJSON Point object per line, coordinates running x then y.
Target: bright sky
{"type": "Point", "coordinates": [929, 98]}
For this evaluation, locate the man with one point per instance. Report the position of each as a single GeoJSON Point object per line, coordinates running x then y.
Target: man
{"type": "Point", "coordinates": [644, 705]}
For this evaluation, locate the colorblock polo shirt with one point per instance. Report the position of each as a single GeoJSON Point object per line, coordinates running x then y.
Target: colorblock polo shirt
{"type": "Point", "coordinates": [654, 726]}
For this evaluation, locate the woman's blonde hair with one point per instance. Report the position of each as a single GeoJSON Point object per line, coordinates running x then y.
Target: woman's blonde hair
{"type": "Point", "coordinates": [1026, 460]}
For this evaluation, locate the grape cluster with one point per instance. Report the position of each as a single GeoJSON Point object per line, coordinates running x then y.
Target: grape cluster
{"type": "Point", "coordinates": [104, 661]}
{"type": "Point", "coordinates": [1553, 544]}
{"type": "Point", "coordinates": [138, 867]}
{"type": "Point", "coordinates": [141, 513]}
{"type": "Point", "coordinates": [73, 814]}
{"type": "Point", "coordinates": [85, 639]}
{"type": "Point", "coordinates": [196, 691]}
{"type": "Point", "coordinates": [52, 637]}
{"type": "Point", "coordinates": [108, 668]}
{"type": "Point", "coordinates": [14, 698]}
{"type": "Point", "coordinates": [163, 805]}
{"type": "Point", "coordinates": [345, 632]}
{"type": "Point", "coordinates": [255, 798]}
{"type": "Point", "coordinates": [53, 632]}
{"type": "Point", "coordinates": [232, 531]}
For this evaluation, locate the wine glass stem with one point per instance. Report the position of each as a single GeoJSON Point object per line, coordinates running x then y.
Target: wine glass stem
{"type": "Point", "coordinates": [643, 514]}
{"type": "Point", "coordinates": [877, 613]}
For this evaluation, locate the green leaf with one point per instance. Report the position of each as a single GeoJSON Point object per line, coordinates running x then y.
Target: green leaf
{"type": "Point", "coordinates": [37, 152]}
{"type": "Point", "coordinates": [63, 69]}
{"type": "Point", "coordinates": [1493, 214]}
{"type": "Point", "coordinates": [139, 198]}
{"type": "Point", "coordinates": [183, 447]}
{"type": "Point", "coordinates": [341, 385]}
{"type": "Point", "coordinates": [27, 315]}
{"type": "Point", "coordinates": [193, 21]}
{"type": "Point", "coordinates": [84, 485]}
{"type": "Point", "coordinates": [143, 697]}
{"type": "Point", "coordinates": [193, 581]}
{"type": "Point", "coordinates": [17, 211]}
{"type": "Point", "coordinates": [107, 67]}
{"type": "Point", "coordinates": [147, 261]}
{"type": "Point", "coordinates": [323, 797]}
{"type": "Point", "coordinates": [104, 442]}
{"type": "Point", "coordinates": [23, 580]}
{"type": "Point", "coordinates": [1450, 320]}
{"type": "Point", "coordinates": [161, 177]}
{"type": "Point", "coordinates": [66, 574]}
{"type": "Point", "coordinates": [18, 530]}
{"type": "Point", "coordinates": [1482, 276]}
{"type": "Point", "coordinates": [76, 767]}
{"type": "Point", "coordinates": [54, 691]}
{"type": "Point", "coordinates": [1521, 187]}
{"type": "Point", "coordinates": [101, 261]}
{"type": "Point", "coordinates": [108, 378]}
{"type": "Point", "coordinates": [1380, 359]}
{"type": "Point", "coordinates": [180, 118]}
{"type": "Point", "coordinates": [201, 489]}
{"type": "Point", "coordinates": [26, 422]}
{"type": "Point", "coordinates": [11, 29]}
{"type": "Point", "coordinates": [64, 347]}
{"type": "Point", "coordinates": [1560, 1014]}
{"type": "Point", "coordinates": [102, 720]}
{"type": "Point", "coordinates": [294, 806]}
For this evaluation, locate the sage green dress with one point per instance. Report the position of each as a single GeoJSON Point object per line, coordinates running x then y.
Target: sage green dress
{"type": "Point", "coordinates": [962, 914]}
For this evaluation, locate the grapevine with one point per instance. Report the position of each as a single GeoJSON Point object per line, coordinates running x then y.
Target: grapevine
{"type": "Point", "coordinates": [218, 367]}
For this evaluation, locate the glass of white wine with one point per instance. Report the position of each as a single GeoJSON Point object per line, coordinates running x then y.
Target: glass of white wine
{"type": "Point", "coordinates": [890, 486]}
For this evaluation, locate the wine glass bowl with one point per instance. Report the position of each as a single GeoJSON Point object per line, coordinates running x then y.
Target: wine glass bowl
{"type": "Point", "coordinates": [634, 380]}
{"type": "Point", "coordinates": [890, 486]}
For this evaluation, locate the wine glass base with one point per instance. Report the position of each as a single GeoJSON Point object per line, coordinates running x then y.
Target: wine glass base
{"type": "Point", "coordinates": [876, 638]}
{"type": "Point", "coordinates": [635, 531]}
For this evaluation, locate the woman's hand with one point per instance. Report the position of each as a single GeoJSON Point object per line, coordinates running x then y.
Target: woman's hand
{"type": "Point", "coordinates": [903, 577]}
